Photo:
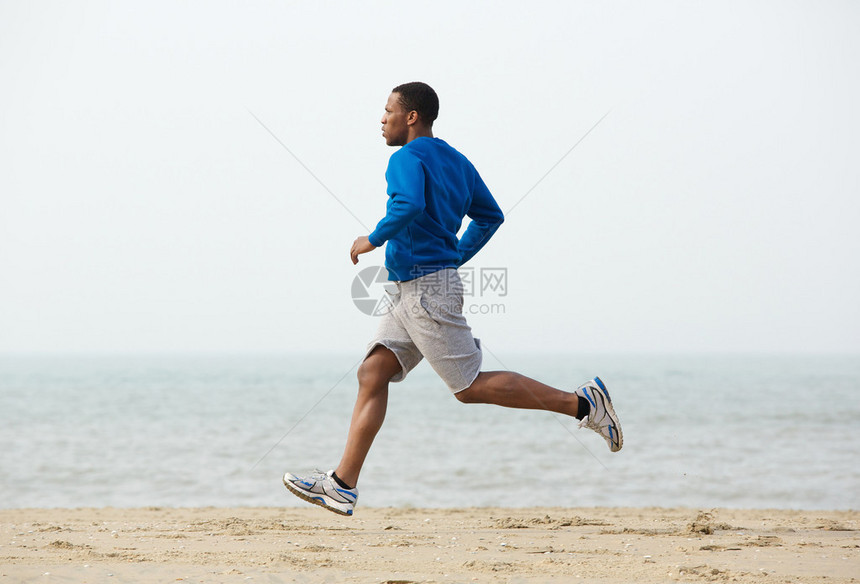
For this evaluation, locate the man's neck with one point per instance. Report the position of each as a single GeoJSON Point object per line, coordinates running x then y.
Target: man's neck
{"type": "Point", "coordinates": [419, 133]}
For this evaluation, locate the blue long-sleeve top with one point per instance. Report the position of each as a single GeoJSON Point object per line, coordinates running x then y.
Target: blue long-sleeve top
{"type": "Point", "coordinates": [431, 188]}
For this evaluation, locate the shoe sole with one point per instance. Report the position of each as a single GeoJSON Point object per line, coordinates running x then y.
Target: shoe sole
{"type": "Point", "coordinates": [316, 500]}
{"type": "Point", "coordinates": [610, 411]}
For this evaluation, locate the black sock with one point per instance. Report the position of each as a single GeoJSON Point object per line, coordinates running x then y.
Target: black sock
{"type": "Point", "coordinates": [584, 408]}
{"type": "Point", "coordinates": [343, 484]}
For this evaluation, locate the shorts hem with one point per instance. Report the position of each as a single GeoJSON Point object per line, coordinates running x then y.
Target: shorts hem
{"type": "Point", "coordinates": [456, 391]}
{"type": "Point", "coordinates": [388, 345]}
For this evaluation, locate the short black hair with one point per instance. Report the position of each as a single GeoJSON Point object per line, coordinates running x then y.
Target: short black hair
{"type": "Point", "coordinates": [419, 97]}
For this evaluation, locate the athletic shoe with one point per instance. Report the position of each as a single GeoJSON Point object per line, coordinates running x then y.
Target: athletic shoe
{"type": "Point", "coordinates": [601, 418]}
{"type": "Point", "coordinates": [321, 489]}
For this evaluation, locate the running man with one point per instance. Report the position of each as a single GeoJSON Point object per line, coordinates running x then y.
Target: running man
{"type": "Point", "coordinates": [431, 188]}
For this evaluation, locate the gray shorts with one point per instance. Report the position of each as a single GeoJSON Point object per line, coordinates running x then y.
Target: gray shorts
{"type": "Point", "coordinates": [427, 321]}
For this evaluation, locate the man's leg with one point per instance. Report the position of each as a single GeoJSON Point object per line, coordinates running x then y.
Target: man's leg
{"type": "Point", "coordinates": [433, 318]}
{"type": "Point", "coordinates": [512, 390]}
{"type": "Point", "coordinates": [590, 402]}
{"type": "Point", "coordinates": [374, 375]}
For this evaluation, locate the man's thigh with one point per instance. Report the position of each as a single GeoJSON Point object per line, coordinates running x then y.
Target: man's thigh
{"type": "Point", "coordinates": [433, 317]}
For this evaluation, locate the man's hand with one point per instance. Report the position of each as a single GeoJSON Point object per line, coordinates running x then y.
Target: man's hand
{"type": "Point", "coordinates": [359, 246]}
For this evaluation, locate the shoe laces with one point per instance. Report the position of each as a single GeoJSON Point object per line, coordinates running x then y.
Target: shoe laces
{"type": "Point", "coordinates": [591, 422]}
{"type": "Point", "coordinates": [319, 475]}
{"type": "Point", "coordinates": [587, 422]}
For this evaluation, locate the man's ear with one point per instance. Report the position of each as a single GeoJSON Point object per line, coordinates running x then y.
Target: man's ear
{"type": "Point", "coordinates": [411, 117]}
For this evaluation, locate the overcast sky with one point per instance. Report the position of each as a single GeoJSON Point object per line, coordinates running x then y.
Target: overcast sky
{"type": "Point", "coordinates": [715, 208]}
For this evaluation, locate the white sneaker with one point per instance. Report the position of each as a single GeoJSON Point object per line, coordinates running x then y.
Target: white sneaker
{"type": "Point", "coordinates": [601, 418]}
{"type": "Point", "coordinates": [321, 489]}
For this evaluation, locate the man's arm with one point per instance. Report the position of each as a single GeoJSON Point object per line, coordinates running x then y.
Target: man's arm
{"type": "Point", "coordinates": [486, 218]}
{"type": "Point", "coordinates": [402, 209]}
{"type": "Point", "coordinates": [405, 177]}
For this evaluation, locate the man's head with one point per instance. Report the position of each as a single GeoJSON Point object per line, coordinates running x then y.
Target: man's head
{"type": "Point", "coordinates": [421, 98]}
{"type": "Point", "coordinates": [410, 112]}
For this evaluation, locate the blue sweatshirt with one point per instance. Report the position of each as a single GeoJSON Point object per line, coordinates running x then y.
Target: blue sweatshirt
{"type": "Point", "coordinates": [431, 188]}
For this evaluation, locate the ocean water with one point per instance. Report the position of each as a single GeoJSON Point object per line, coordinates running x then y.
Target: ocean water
{"type": "Point", "coordinates": [700, 430]}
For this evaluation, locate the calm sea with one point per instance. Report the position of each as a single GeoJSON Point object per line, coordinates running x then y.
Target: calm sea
{"type": "Point", "coordinates": [700, 431]}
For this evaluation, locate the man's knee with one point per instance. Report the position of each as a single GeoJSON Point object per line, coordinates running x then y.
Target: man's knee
{"type": "Point", "coordinates": [468, 396]}
{"type": "Point", "coordinates": [368, 376]}
{"type": "Point", "coordinates": [378, 368]}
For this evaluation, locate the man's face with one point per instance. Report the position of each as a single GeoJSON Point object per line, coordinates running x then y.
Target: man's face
{"type": "Point", "coordinates": [395, 130]}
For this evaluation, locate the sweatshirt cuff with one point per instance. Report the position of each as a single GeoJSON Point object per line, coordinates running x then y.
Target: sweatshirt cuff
{"type": "Point", "coordinates": [373, 238]}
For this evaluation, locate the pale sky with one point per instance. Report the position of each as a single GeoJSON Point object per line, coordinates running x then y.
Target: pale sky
{"type": "Point", "coordinates": [715, 208]}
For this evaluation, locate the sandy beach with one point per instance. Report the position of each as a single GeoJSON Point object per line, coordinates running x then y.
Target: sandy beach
{"type": "Point", "coordinates": [611, 545]}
